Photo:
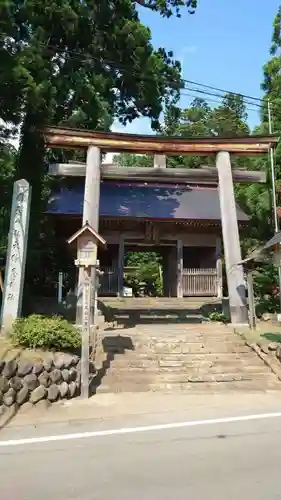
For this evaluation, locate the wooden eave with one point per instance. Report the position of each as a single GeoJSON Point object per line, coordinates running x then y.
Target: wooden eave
{"type": "Point", "coordinates": [84, 229]}
{"type": "Point", "coordinates": [61, 137]}
{"type": "Point", "coordinates": [203, 175]}
{"type": "Point", "coordinates": [117, 221]}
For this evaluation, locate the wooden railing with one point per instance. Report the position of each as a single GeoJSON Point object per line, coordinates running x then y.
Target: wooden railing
{"type": "Point", "coordinates": [108, 281]}
{"type": "Point", "coordinates": [200, 282]}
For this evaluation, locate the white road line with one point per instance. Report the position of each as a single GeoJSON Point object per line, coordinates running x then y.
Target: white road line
{"type": "Point", "coordinates": [133, 430]}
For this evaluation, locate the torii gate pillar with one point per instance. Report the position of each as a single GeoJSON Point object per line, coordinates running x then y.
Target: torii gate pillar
{"type": "Point", "coordinates": [231, 242]}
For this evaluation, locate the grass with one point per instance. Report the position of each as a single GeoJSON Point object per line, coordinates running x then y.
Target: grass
{"type": "Point", "coordinates": [263, 334]}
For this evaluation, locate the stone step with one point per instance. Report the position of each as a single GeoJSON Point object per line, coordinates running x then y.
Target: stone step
{"type": "Point", "coordinates": [187, 355]}
{"type": "Point", "coordinates": [197, 348]}
{"type": "Point", "coordinates": [209, 388]}
{"type": "Point", "coordinates": [167, 329]}
{"type": "Point", "coordinates": [190, 370]}
{"type": "Point", "coordinates": [188, 359]}
{"type": "Point", "coordinates": [177, 339]}
{"type": "Point", "coordinates": [179, 357]}
{"type": "Point", "coordinates": [181, 378]}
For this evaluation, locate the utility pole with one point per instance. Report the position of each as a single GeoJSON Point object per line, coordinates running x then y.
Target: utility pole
{"type": "Point", "coordinates": [273, 184]}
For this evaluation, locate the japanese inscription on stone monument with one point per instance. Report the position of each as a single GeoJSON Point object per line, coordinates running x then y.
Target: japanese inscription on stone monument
{"type": "Point", "coordinates": [16, 254]}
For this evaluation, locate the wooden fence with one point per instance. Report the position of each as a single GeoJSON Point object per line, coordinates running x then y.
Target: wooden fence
{"type": "Point", "coordinates": [196, 282]}
{"type": "Point", "coordinates": [200, 282]}
{"type": "Point", "coordinates": [108, 281]}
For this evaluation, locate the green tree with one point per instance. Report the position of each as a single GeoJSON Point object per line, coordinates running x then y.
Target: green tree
{"type": "Point", "coordinates": [199, 120]}
{"type": "Point", "coordinates": [132, 160]}
{"type": "Point", "coordinates": [81, 64]}
{"type": "Point", "coordinates": [7, 170]}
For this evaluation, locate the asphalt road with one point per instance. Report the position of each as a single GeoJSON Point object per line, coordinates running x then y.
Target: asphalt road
{"type": "Point", "coordinates": [222, 461]}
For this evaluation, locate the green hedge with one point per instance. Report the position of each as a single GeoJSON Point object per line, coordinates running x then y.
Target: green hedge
{"type": "Point", "coordinates": [37, 331]}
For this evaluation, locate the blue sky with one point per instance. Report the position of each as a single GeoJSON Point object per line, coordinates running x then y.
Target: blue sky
{"type": "Point", "coordinates": [224, 44]}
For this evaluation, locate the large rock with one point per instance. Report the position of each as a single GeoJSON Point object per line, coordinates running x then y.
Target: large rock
{"type": "Point", "coordinates": [2, 364]}
{"type": "Point", "coordinates": [23, 395]}
{"type": "Point", "coordinates": [4, 384]}
{"type": "Point", "coordinates": [24, 368]}
{"type": "Point", "coordinates": [8, 414]}
{"type": "Point", "coordinates": [16, 383]}
{"type": "Point", "coordinates": [71, 390]}
{"type": "Point", "coordinates": [78, 389]}
{"type": "Point", "coordinates": [38, 394]}
{"type": "Point", "coordinates": [63, 388]}
{"type": "Point", "coordinates": [44, 379]}
{"type": "Point", "coordinates": [65, 375]}
{"type": "Point", "coordinates": [72, 374]}
{"type": "Point", "coordinates": [38, 368]}
{"type": "Point", "coordinates": [75, 360]}
{"type": "Point", "coordinates": [53, 393]}
{"type": "Point", "coordinates": [10, 368]}
{"type": "Point", "coordinates": [31, 381]}
{"type": "Point", "coordinates": [48, 365]}
{"type": "Point", "coordinates": [67, 362]}
{"type": "Point", "coordinates": [56, 376]}
{"type": "Point", "coordinates": [9, 397]}
{"type": "Point", "coordinates": [59, 362]}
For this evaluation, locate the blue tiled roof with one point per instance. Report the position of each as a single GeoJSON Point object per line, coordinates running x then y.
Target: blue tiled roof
{"type": "Point", "coordinates": [144, 201]}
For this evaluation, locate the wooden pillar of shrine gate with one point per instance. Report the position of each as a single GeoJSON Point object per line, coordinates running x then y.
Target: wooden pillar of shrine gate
{"type": "Point", "coordinates": [231, 242]}
{"type": "Point", "coordinates": [91, 207]}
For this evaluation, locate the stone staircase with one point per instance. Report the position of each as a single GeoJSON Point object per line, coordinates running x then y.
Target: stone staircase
{"type": "Point", "coordinates": [157, 310]}
{"type": "Point", "coordinates": [171, 357]}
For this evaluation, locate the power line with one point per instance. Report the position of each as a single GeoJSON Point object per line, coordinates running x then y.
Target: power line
{"type": "Point", "coordinates": [121, 68]}
{"type": "Point", "coordinates": [223, 90]}
{"type": "Point", "coordinates": [220, 96]}
{"type": "Point", "coordinates": [248, 108]}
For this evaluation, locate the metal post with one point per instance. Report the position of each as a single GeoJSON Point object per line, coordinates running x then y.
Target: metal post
{"type": "Point", "coordinates": [121, 252]}
{"type": "Point", "coordinates": [179, 269]}
{"type": "Point", "coordinates": [273, 183]}
{"type": "Point", "coordinates": [60, 285]}
{"type": "Point", "coordinates": [251, 300]}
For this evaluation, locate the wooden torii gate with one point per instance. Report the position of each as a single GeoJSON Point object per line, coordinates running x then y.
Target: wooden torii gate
{"type": "Point", "coordinates": [222, 148]}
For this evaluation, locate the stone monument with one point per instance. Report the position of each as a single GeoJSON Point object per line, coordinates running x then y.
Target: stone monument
{"type": "Point", "coordinates": [16, 255]}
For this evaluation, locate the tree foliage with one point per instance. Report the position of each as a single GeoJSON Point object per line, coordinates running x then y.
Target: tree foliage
{"type": "Point", "coordinates": [86, 64]}
{"type": "Point", "coordinates": [80, 64]}
{"type": "Point", "coordinates": [7, 170]}
{"type": "Point", "coordinates": [199, 119]}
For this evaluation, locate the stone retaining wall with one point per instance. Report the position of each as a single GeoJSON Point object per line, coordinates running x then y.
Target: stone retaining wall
{"type": "Point", "coordinates": [23, 381]}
